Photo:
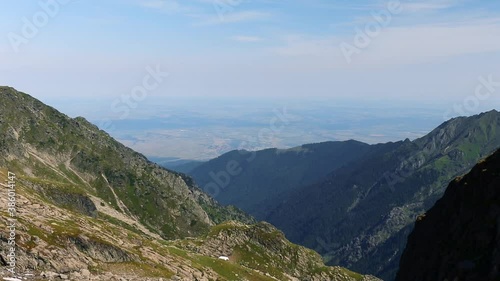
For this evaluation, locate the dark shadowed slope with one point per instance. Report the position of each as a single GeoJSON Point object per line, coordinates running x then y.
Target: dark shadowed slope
{"type": "Point", "coordinates": [260, 180]}
{"type": "Point", "coordinates": [459, 238]}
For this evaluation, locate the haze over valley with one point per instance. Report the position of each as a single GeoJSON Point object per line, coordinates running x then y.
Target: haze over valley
{"type": "Point", "coordinates": [204, 128]}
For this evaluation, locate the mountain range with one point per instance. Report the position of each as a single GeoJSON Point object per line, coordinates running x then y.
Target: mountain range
{"type": "Point", "coordinates": [352, 202]}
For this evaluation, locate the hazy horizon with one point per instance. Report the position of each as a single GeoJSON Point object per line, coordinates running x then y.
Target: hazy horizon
{"type": "Point", "coordinates": [201, 129]}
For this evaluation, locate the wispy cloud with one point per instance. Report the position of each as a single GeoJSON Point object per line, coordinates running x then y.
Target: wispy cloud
{"type": "Point", "coordinates": [419, 43]}
{"type": "Point", "coordinates": [296, 45]}
{"type": "Point", "coordinates": [414, 10]}
{"type": "Point", "coordinates": [234, 17]}
{"type": "Point", "coordinates": [428, 6]}
{"type": "Point", "coordinates": [167, 6]}
{"type": "Point", "coordinates": [408, 5]}
{"type": "Point", "coordinates": [247, 39]}
{"type": "Point", "coordinates": [202, 12]}
{"type": "Point", "coordinates": [405, 44]}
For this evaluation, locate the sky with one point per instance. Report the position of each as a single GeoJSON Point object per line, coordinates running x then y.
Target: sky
{"type": "Point", "coordinates": [414, 51]}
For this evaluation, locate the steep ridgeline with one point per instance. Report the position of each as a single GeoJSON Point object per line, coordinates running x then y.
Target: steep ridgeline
{"type": "Point", "coordinates": [88, 208]}
{"type": "Point", "coordinates": [359, 217]}
{"type": "Point", "coordinates": [459, 238]}
{"type": "Point", "coordinates": [181, 166]}
{"type": "Point", "coordinates": [52, 151]}
{"type": "Point", "coordinates": [260, 180]}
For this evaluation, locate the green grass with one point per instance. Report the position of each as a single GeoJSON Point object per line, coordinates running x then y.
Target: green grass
{"type": "Point", "coordinates": [61, 231]}
{"type": "Point", "coordinates": [472, 151]}
{"type": "Point", "coordinates": [137, 268]}
{"type": "Point", "coordinates": [119, 223]}
{"type": "Point", "coordinates": [104, 192]}
{"type": "Point", "coordinates": [215, 230]}
{"type": "Point", "coordinates": [50, 184]}
{"type": "Point", "coordinates": [442, 162]}
{"type": "Point", "coordinates": [66, 228]}
{"type": "Point", "coordinates": [255, 257]}
{"type": "Point", "coordinates": [230, 271]}
{"type": "Point", "coordinates": [72, 176]}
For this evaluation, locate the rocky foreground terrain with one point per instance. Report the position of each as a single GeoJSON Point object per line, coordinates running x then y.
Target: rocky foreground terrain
{"type": "Point", "coordinates": [54, 243]}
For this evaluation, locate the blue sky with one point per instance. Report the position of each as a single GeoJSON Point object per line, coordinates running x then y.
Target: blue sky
{"type": "Point", "coordinates": [430, 51]}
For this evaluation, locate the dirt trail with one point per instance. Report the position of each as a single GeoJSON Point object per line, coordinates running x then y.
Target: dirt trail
{"type": "Point", "coordinates": [122, 217]}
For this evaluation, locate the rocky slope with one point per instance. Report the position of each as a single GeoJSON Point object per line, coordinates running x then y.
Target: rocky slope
{"type": "Point", "coordinates": [88, 208]}
{"type": "Point", "coordinates": [265, 249]}
{"type": "Point", "coordinates": [459, 238]}
{"type": "Point", "coordinates": [57, 152]}
{"type": "Point", "coordinates": [55, 243]}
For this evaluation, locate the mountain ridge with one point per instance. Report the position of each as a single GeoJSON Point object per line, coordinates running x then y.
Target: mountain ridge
{"type": "Point", "coordinates": [362, 210]}
{"type": "Point", "coordinates": [409, 180]}
{"type": "Point", "coordinates": [266, 174]}
{"type": "Point", "coordinates": [102, 166]}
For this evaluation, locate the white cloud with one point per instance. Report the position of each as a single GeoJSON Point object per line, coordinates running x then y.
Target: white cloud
{"type": "Point", "coordinates": [247, 39]}
{"type": "Point", "coordinates": [427, 42]}
{"type": "Point", "coordinates": [404, 44]}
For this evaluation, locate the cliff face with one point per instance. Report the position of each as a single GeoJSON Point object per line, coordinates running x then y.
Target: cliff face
{"type": "Point", "coordinates": [459, 238]}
